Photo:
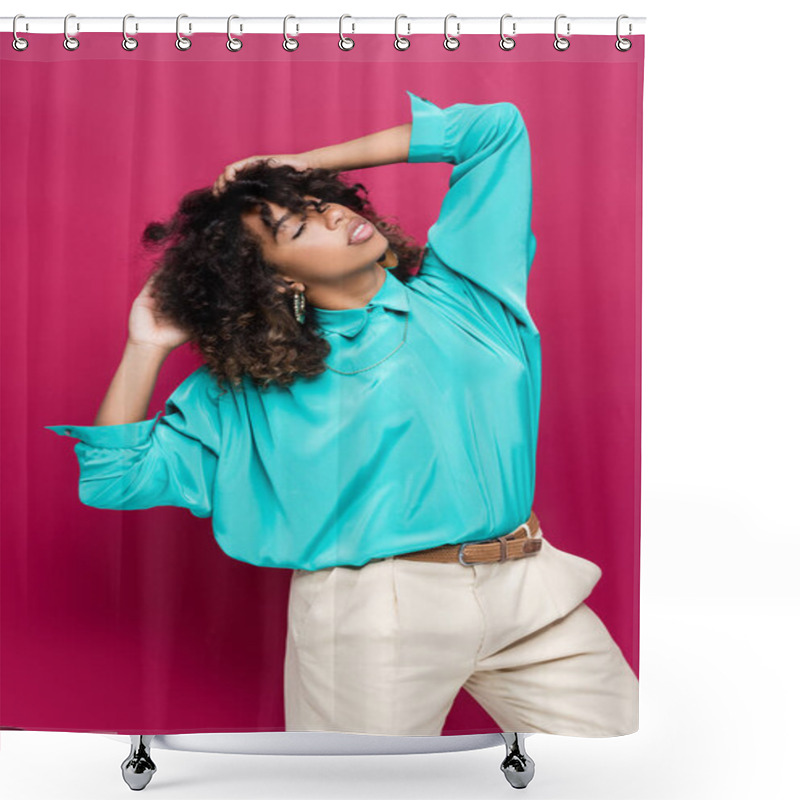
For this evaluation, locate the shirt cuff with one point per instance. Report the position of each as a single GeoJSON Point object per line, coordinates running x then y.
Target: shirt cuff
{"type": "Point", "coordinates": [131, 434]}
{"type": "Point", "coordinates": [428, 127]}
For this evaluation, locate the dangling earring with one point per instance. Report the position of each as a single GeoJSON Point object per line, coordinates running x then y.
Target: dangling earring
{"type": "Point", "coordinates": [389, 259]}
{"type": "Point", "coordinates": [300, 307]}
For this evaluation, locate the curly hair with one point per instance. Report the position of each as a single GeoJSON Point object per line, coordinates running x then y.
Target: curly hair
{"type": "Point", "coordinates": [213, 280]}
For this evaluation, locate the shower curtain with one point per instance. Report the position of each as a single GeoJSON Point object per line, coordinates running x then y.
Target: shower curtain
{"type": "Point", "coordinates": [451, 355]}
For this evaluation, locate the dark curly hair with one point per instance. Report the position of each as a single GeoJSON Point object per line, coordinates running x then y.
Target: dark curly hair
{"type": "Point", "coordinates": [213, 281]}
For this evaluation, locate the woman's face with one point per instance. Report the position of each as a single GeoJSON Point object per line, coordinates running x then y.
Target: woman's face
{"type": "Point", "coordinates": [320, 248]}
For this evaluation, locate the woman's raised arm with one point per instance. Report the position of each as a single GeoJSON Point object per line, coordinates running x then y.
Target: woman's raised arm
{"type": "Point", "coordinates": [150, 340]}
{"type": "Point", "coordinates": [388, 146]}
{"type": "Point", "coordinates": [483, 230]}
{"type": "Point", "coordinates": [129, 462]}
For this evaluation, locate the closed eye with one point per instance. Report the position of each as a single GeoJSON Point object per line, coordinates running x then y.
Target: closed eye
{"type": "Point", "coordinates": [320, 207]}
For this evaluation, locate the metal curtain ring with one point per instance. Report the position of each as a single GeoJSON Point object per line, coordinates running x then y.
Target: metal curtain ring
{"type": "Point", "coordinates": [70, 42]}
{"type": "Point", "coordinates": [233, 44]}
{"type": "Point", "coordinates": [451, 42]}
{"type": "Point", "coordinates": [18, 42]}
{"type": "Point", "coordinates": [506, 42]}
{"type": "Point", "coordinates": [182, 43]}
{"type": "Point", "coordinates": [345, 42]}
{"type": "Point", "coordinates": [623, 45]}
{"type": "Point", "coordinates": [560, 42]}
{"type": "Point", "coordinates": [128, 42]}
{"type": "Point", "coordinates": [290, 43]}
{"type": "Point", "coordinates": [400, 42]}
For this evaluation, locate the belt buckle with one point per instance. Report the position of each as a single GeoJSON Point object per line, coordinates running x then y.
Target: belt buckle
{"type": "Point", "coordinates": [503, 550]}
{"type": "Point", "coordinates": [461, 556]}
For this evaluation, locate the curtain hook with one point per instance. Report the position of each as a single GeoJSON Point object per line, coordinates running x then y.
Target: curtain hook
{"type": "Point", "coordinates": [451, 42]}
{"type": "Point", "coordinates": [70, 42]}
{"type": "Point", "coordinates": [233, 44]}
{"type": "Point", "coordinates": [18, 43]}
{"type": "Point", "coordinates": [345, 42]}
{"type": "Point", "coordinates": [400, 42]}
{"type": "Point", "coordinates": [290, 43]}
{"type": "Point", "coordinates": [506, 42]}
{"type": "Point", "coordinates": [560, 42]}
{"type": "Point", "coordinates": [182, 43]}
{"type": "Point", "coordinates": [128, 42]}
{"type": "Point", "coordinates": [623, 45]}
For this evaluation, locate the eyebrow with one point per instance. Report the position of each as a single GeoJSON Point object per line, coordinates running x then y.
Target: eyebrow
{"type": "Point", "coordinates": [286, 216]}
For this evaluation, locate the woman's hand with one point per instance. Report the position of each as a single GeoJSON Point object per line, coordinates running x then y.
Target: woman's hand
{"type": "Point", "coordinates": [300, 162]}
{"type": "Point", "coordinates": [147, 328]}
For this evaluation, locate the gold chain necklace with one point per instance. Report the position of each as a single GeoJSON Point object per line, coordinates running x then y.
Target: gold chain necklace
{"type": "Point", "coordinates": [363, 369]}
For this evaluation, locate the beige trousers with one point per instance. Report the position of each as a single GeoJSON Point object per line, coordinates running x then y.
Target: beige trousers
{"type": "Point", "coordinates": [385, 648]}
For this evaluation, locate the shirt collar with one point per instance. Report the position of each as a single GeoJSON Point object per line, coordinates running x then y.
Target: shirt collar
{"type": "Point", "coordinates": [393, 294]}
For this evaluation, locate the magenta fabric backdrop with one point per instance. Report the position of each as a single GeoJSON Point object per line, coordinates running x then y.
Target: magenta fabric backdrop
{"type": "Point", "coordinates": [135, 621]}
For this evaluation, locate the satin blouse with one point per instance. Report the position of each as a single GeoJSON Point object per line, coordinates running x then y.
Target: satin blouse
{"type": "Point", "coordinates": [435, 444]}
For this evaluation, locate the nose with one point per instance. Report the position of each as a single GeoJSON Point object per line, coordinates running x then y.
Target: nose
{"type": "Point", "coordinates": [335, 216]}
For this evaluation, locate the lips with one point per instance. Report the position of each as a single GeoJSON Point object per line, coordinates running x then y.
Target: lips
{"type": "Point", "coordinates": [363, 234]}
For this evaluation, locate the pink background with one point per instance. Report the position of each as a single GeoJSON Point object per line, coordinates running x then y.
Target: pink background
{"type": "Point", "coordinates": [135, 621]}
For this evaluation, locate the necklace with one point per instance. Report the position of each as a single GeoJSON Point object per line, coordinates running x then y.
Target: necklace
{"type": "Point", "coordinates": [363, 369]}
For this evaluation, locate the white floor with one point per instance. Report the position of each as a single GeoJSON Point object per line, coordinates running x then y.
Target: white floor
{"type": "Point", "coordinates": [719, 706]}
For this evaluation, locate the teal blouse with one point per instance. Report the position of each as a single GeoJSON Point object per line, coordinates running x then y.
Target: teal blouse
{"type": "Point", "coordinates": [435, 444]}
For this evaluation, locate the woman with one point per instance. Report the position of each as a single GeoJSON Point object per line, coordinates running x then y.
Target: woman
{"type": "Point", "coordinates": [361, 425]}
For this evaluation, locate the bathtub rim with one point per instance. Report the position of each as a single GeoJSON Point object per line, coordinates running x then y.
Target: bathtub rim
{"type": "Point", "coordinates": [317, 743]}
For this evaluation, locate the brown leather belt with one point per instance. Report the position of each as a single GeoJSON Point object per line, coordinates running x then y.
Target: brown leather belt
{"type": "Point", "coordinates": [526, 540]}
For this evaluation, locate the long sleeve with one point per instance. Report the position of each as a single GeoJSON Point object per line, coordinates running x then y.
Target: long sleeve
{"type": "Point", "coordinates": [483, 230]}
{"type": "Point", "coordinates": [170, 460]}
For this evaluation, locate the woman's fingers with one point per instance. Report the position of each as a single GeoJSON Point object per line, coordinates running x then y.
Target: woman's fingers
{"type": "Point", "coordinates": [226, 175]}
{"type": "Point", "coordinates": [222, 179]}
{"type": "Point", "coordinates": [147, 288]}
{"type": "Point", "coordinates": [298, 162]}
{"type": "Point", "coordinates": [229, 173]}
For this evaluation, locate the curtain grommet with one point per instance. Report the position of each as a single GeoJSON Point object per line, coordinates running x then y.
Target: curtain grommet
{"type": "Point", "coordinates": [182, 42]}
{"type": "Point", "coordinates": [290, 43]}
{"type": "Point", "coordinates": [401, 42]}
{"type": "Point", "coordinates": [129, 43]}
{"type": "Point", "coordinates": [451, 42]}
{"type": "Point", "coordinates": [233, 44]}
{"type": "Point", "coordinates": [71, 42]}
{"type": "Point", "coordinates": [560, 43]}
{"type": "Point", "coordinates": [18, 43]}
{"type": "Point", "coordinates": [345, 42]}
{"type": "Point", "coordinates": [507, 42]}
{"type": "Point", "coordinates": [623, 45]}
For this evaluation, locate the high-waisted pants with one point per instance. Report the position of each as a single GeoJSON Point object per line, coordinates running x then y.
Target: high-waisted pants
{"type": "Point", "coordinates": [385, 648]}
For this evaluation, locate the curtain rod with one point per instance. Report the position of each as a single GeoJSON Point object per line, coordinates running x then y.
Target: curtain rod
{"type": "Point", "coordinates": [407, 25]}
